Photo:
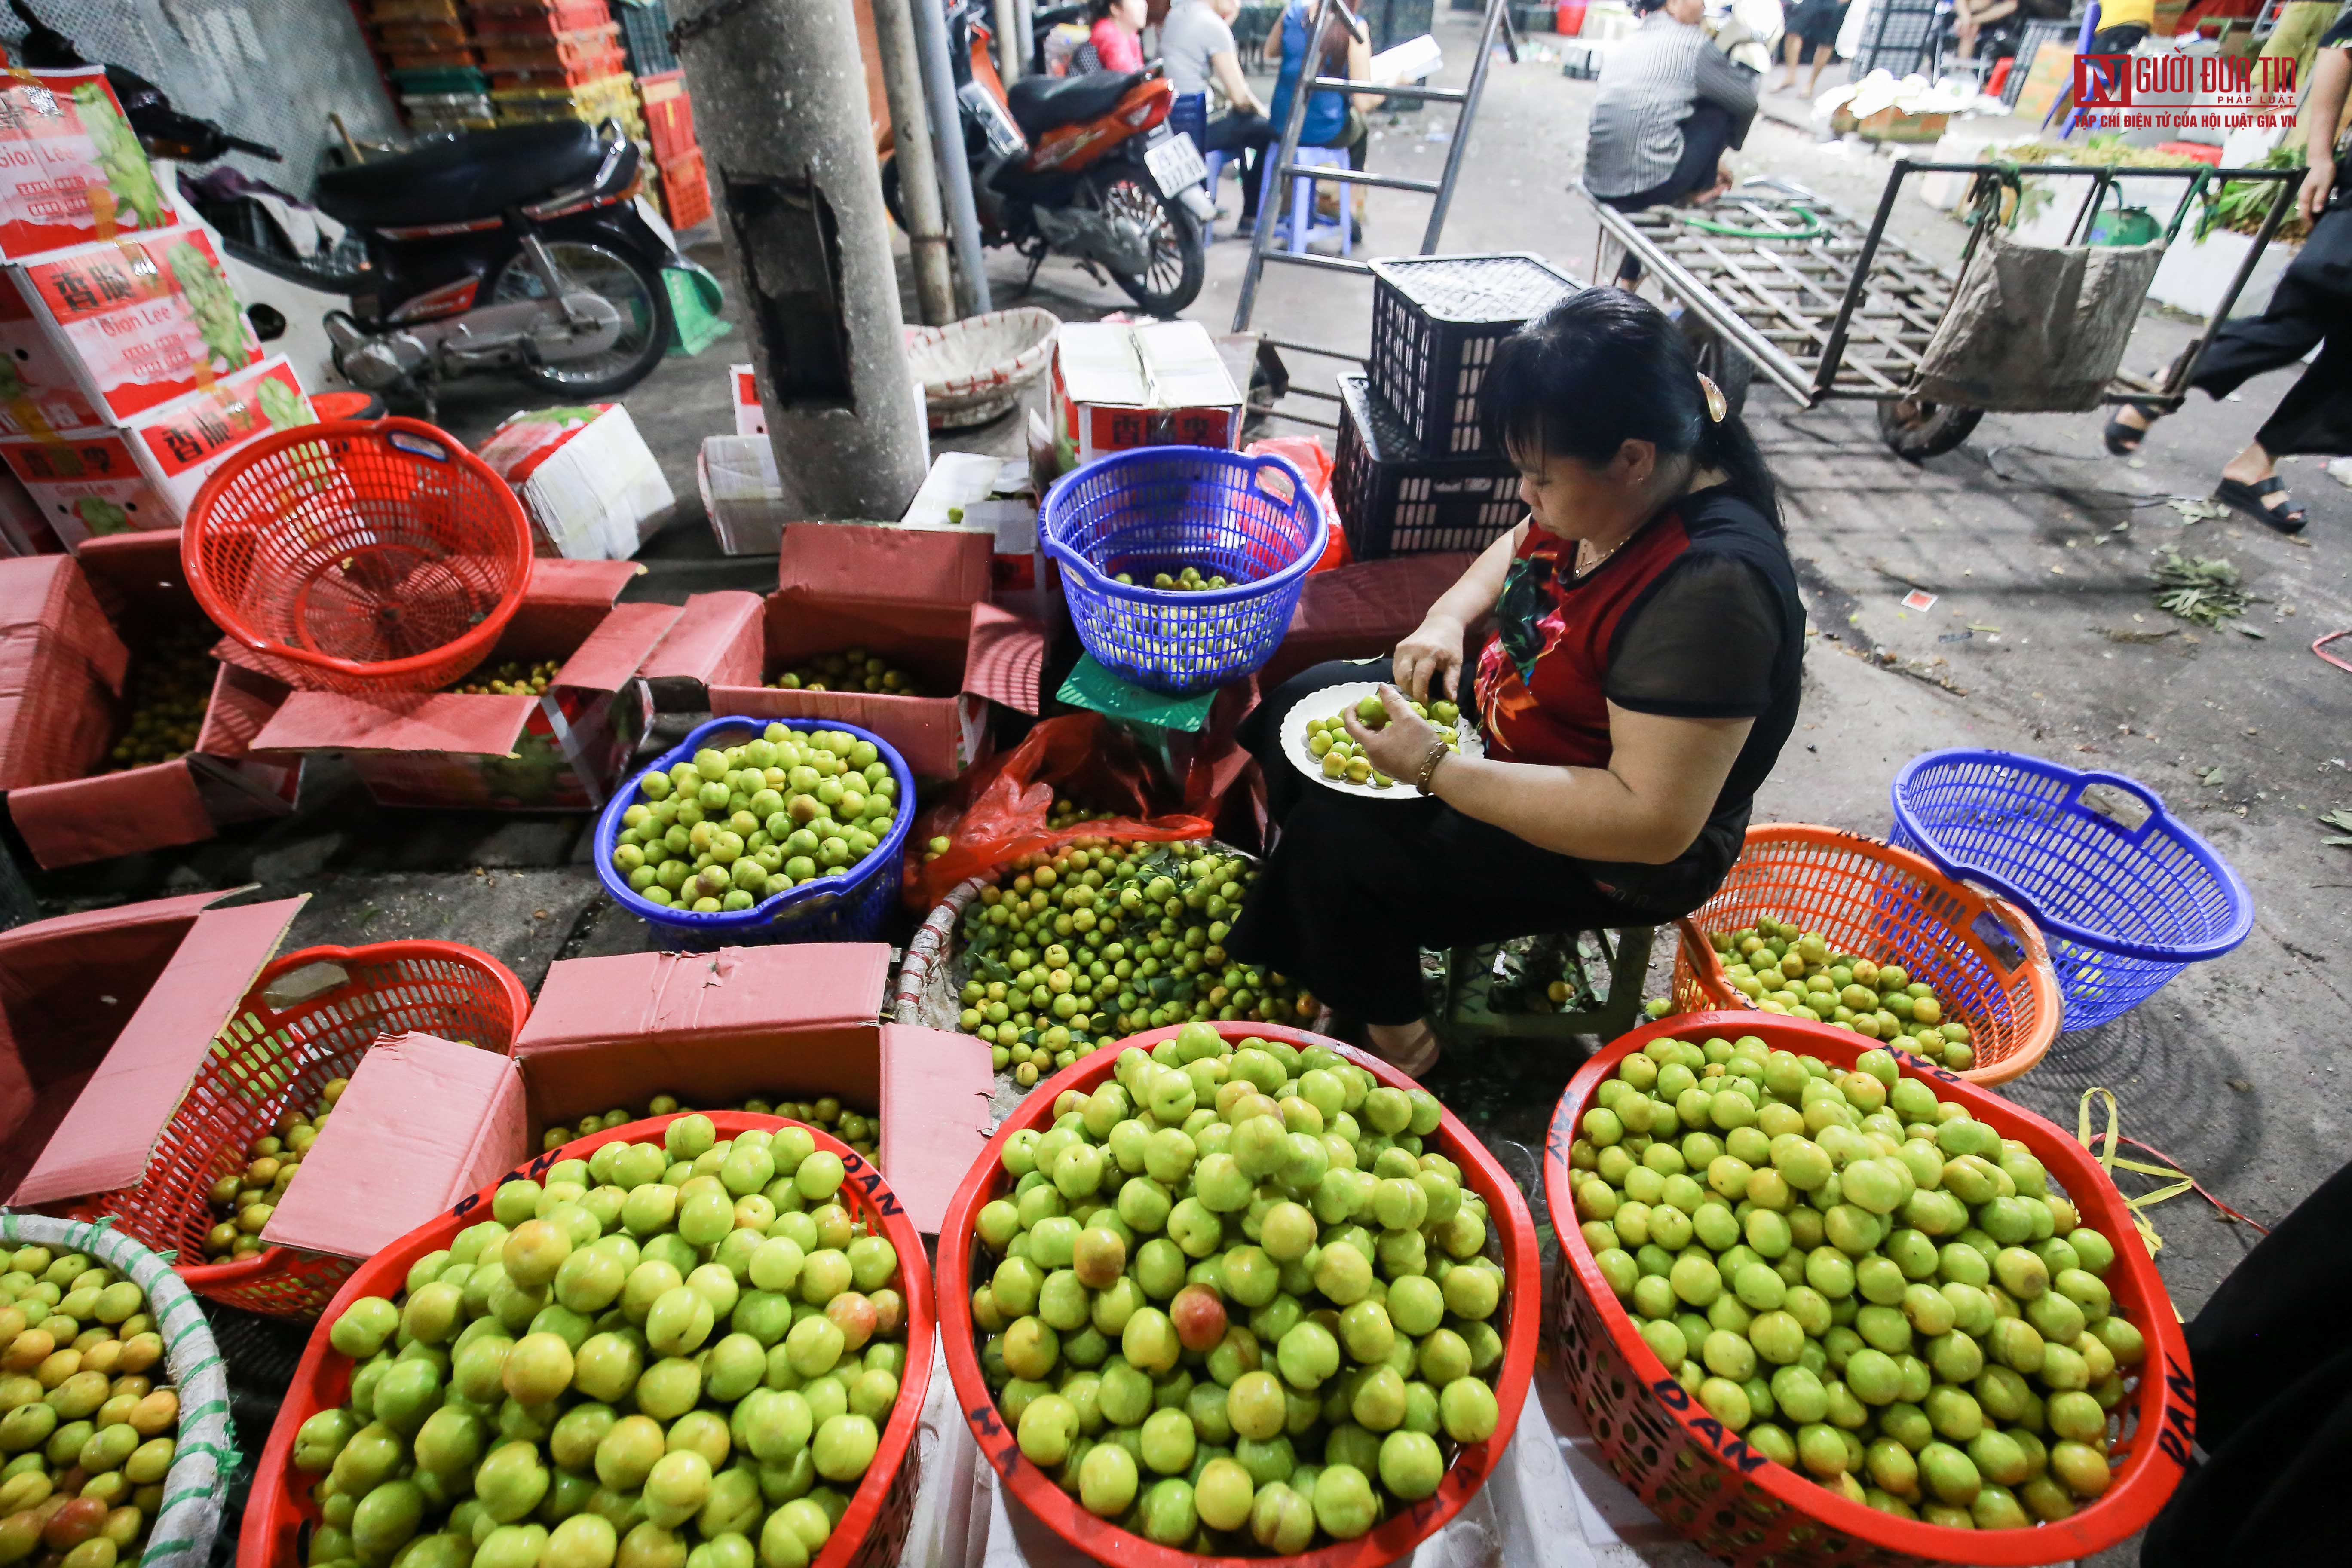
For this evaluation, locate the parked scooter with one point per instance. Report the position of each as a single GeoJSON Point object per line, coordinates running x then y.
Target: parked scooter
{"type": "Point", "coordinates": [519, 250]}
{"type": "Point", "coordinates": [1079, 166]}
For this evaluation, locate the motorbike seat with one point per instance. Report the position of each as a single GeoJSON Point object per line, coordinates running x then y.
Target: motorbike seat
{"type": "Point", "coordinates": [1041, 103]}
{"type": "Point", "coordinates": [473, 176]}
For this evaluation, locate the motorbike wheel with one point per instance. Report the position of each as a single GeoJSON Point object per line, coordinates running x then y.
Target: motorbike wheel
{"type": "Point", "coordinates": [630, 286]}
{"type": "Point", "coordinates": [1172, 280]}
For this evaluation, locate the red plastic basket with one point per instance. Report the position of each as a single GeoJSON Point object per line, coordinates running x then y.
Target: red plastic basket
{"type": "Point", "coordinates": [1106, 1542]}
{"type": "Point", "coordinates": [278, 1511]}
{"type": "Point", "coordinates": [359, 556]}
{"type": "Point", "coordinates": [537, 21]}
{"type": "Point", "coordinates": [686, 190]}
{"type": "Point", "coordinates": [1730, 1500]}
{"type": "Point", "coordinates": [553, 52]}
{"type": "Point", "coordinates": [270, 1060]}
{"type": "Point", "coordinates": [1866, 897]}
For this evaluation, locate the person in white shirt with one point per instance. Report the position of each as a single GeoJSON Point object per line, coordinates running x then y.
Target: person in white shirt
{"type": "Point", "coordinates": [1197, 48]}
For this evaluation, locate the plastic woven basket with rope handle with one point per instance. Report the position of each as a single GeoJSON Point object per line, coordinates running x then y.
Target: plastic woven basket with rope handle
{"type": "Point", "coordinates": [274, 1058]}
{"type": "Point", "coordinates": [359, 556]}
{"type": "Point", "coordinates": [1983, 955]}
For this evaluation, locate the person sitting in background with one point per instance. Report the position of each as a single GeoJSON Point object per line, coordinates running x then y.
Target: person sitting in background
{"type": "Point", "coordinates": [1196, 45]}
{"type": "Point", "coordinates": [1670, 107]}
{"type": "Point", "coordinates": [1115, 37]}
{"type": "Point", "coordinates": [2124, 26]}
{"type": "Point", "coordinates": [1972, 19]}
{"type": "Point", "coordinates": [1333, 118]}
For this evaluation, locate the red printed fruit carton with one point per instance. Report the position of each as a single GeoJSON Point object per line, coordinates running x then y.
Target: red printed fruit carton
{"type": "Point", "coordinates": [91, 483]}
{"type": "Point", "coordinates": [103, 333]}
{"type": "Point", "coordinates": [71, 170]}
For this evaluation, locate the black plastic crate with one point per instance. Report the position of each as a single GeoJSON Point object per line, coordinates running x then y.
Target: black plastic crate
{"type": "Point", "coordinates": [1394, 500]}
{"type": "Point", "coordinates": [1436, 323]}
{"type": "Point", "coordinates": [644, 36]}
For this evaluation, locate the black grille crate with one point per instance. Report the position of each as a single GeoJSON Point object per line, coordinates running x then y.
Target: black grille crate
{"type": "Point", "coordinates": [644, 36]}
{"type": "Point", "coordinates": [1393, 500]}
{"type": "Point", "coordinates": [1436, 323]}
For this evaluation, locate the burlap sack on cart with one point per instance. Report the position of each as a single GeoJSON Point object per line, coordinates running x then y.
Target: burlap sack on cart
{"type": "Point", "coordinates": [2037, 329]}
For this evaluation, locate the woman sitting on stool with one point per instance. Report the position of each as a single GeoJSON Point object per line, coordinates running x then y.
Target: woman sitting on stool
{"type": "Point", "coordinates": [1671, 105]}
{"type": "Point", "coordinates": [1639, 680]}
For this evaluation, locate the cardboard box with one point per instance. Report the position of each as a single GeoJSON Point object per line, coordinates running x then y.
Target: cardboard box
{"type": "Point", "coordinates": [718, 640]}
{"type": "Point", "coordinates": [2050, 76]}
{"type": "Point", "coordinates": [71, 169]}
{"type": "Point", "coordinates": [993, 495]}
{"type": "Point", "coordinates": [743, 385]}
{"type": "Point", "coordinates": [1123, 385]}
{"type": "Point", "coordinates": [790, 1021]}
{"type": "Point", "coordinates": [558, 752]}
{"type": "Point", "coordinates": [22, 529]}
{"type": "Point", "coordinates": [587, 478]}
{"type": "Point", "coordinates": [918, 597]}
{"type": "Point", "coordinates": [108, 331]}
{"type": "Point", "coordinates": [741, 494]}
{"type": "Point", "coordinates": [76, 815]}
{"type": "Point", "coordinates": [109, 1014]}
{"type": "Point", "coordinates": [1892, 125]}
{"type": "Point", "coordinates": [61, 670]}
{"type": "Point", "coordinates": [91, 483]}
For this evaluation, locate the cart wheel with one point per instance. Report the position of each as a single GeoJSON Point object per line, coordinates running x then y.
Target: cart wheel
{"type": "Point", "coordinates": [1917, 429]}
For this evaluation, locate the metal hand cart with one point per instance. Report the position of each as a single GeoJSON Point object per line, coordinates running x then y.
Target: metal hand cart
{"type": "Point", "coordinates": [1776, 280]}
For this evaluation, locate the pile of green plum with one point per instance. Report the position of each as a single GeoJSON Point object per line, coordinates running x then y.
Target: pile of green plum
{"type": "Point", "coordinates": [1235, 1298]}
{"type": "Point", "coordinates": [733, 826]}
{"type": "Point", "coordinates": [673, 1352]}
{"type": "Point", "coordinates": [90, 1426]}
{"type": "Point", "coordinates": [1867, 1283]}
{"type": "Point", "coordinates": [1784, 969]}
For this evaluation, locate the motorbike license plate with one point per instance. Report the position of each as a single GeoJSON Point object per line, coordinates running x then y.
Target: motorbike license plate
{"type": "Point", "coordinates": [1175, 164]}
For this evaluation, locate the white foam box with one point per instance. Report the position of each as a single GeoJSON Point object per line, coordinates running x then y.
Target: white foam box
{"type": "Point", "coordinates": [591, 484]}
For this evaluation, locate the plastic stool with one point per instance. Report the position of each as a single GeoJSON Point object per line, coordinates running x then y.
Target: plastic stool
{"type": "Point", "coordinates": [1301, 219]}
{"type": "Point", "coordinates": [1216, 162]}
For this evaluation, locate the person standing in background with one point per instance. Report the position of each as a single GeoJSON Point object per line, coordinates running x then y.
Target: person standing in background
{"type": "Point", "coordinates": [1812, 24]}
{"type": "Point", "coordinates": [1196, 45]}
{"type": "Point", "coordinates": [2311, 308]}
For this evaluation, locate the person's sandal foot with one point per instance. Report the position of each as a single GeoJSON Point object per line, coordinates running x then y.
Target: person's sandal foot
{"type": "Point", "coordinates": [1416, 1057]}
{"type": "Point", "coordinates": [2254, 501]}
{"type": "Point", "coordinates": [2124, 440]}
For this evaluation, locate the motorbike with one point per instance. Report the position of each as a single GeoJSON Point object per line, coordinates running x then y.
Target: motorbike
{"type": "Point", "coordinates": [524, 248]}
{"type": "Point", "coordinates": [1082, 167]}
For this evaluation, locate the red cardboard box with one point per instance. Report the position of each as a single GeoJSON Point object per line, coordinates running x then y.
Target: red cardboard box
{"type": "Point", "coordinates": [91, 483]}
{"type": "Point", "coordinates": [62, 668]}
{"type": "Point", "coordinates": [718, 640]}
{"type": "Point", "coordinates": [791, 1021]}
{"type": "Point", "coordinates": [558, 752]}
{"type": "Point", "coordinates": [114, 329]}
{"type": "Point", "coordinates": [109, 1016]}
{"type": "Point", "coordinates": [71, 169]}
{"type": "Point", "coordinates": [918, 597]}
{"type": "Point", "coordinates": [72, 814]}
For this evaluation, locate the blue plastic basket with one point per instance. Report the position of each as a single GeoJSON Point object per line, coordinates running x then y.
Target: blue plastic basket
{"type": "Point", "coordinates": [847, 905]}
{"type": "Point", "coordinates": [2123, 909]}
{"type": "Point", "coordinates": [1252, 521]}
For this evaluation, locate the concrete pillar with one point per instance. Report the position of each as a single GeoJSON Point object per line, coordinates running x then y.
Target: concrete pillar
{"type": "Point", "coordinates": [779, 92]}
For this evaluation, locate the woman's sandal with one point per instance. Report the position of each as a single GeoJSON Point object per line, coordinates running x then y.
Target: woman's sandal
{"type": "Point", "coordinates": [2254, 501]}
{"type": "Point", "coordinates": [2123, 440]}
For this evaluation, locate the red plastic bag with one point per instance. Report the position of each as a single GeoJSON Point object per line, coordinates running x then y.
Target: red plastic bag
{"type": "Point", "coordinates": [998, 812]}
{"type": "Point", "coordinates": [1306, 454]}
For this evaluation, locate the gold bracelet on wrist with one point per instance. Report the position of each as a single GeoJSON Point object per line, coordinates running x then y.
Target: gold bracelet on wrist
{"type": "Point", "coordinates": [1438, 751]}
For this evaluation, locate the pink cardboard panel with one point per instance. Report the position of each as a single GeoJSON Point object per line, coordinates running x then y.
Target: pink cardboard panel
{"type": "Point", "coordinates": [447, 1117]}
{"type": "Point", "coordinates": [104, 1142]}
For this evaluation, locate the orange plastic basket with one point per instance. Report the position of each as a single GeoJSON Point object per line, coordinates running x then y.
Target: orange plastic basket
{"type": "Point", "coordinates": [279, 1513]}
{"type": "Point", "coordinates": [359, 556]}
{"type": "Point", "coordinates": [270, 1060]}
{"type": "Point", "coordinates": [1732, 1502]}
{"type": "Point", "coordinates": [1868, 897]}
{"type": "Point", "coordinates": [1099, 1539]}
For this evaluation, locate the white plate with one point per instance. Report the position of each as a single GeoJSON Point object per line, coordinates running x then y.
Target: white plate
{"type": "Point", "coordinates": [1333, 700]}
